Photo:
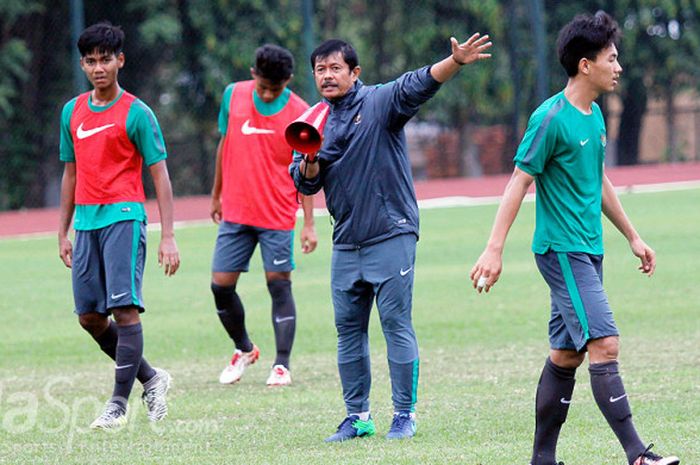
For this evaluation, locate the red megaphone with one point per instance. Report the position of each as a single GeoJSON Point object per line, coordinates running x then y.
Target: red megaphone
{"type": "Point", "coordinates": [305, 134]}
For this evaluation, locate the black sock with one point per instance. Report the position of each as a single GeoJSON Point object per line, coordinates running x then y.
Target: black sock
{"type": "Point", "coordinates": [284, 319]}
{"type": "Point", "coordinates": [610, 395]}
{"type": "Point", "coordinates": [552, 402]}
{"type": "Point", "coordinates": [128, 359]}
{"type": "Point", "coordinates": [232, 315]}
{"type": "Point", "coordinates": [108, 343]}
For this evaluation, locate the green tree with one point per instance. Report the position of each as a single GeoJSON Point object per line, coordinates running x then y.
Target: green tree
{"type": "Point", "coordinates": [659, 51]}
{"type": "Point", "coordinates": [391, 39]}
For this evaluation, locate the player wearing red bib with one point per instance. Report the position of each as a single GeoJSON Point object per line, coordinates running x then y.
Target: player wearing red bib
{"type": "Point", "coordinates": [254, 200]}
{"type": "Point", "coordinates": [106, 136]}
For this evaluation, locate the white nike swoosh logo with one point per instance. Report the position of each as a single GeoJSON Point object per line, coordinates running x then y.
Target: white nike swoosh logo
{"type": "Point", "coordinates": [117, 367]}
{"type": "Point", "coordinates": [279, 262]}
{"type": "Point", "coordinates": [286, 318]}
{"type": "Point", "coordinates": [403, 272]}
{"type": "Point", "coordinates": [565, 401]}
{"type": "Point", "coordinates": [249, 130]}
{"type": "Point", "coordinates": [584, 142]}
{"type": "Point", "coordinates": [116, 296]}
{"type": "Point", "coordinates": [615, 399]}
{"type": "Point", "coordinates": [83, 134]}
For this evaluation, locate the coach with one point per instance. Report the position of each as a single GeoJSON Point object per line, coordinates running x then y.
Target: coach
{"type": "Point", "coordinates": [364, 170]}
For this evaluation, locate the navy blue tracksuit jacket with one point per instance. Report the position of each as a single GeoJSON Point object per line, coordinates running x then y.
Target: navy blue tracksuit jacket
{"type": "Point", "coordinates": [364, 167]}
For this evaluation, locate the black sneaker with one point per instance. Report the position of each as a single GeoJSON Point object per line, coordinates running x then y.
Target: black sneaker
{"type": "Point", "coordinates": [650, 458]}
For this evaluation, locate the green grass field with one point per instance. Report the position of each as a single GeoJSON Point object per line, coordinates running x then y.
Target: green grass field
{"type": "Point", "coordinates": [481, 355]}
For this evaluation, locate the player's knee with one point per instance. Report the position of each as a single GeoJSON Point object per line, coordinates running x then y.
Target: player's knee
{"type": "Point", "coordinates": [567, 358]}
{"type": "Point", "coordinates": [226, 279]}
{"type": "Point", "coordinates": [396, 322]}
{"type": "Point", "coordinates": [280, 289]}
{"type": "Point", "coordinates": [93, 323]}
{"type": "Point", "coordinates": [222, 295]}
{"type": "Point", "coordinates": [126, 316]}
{"type": "Point", "coordinates": [604, 349]}
{"type": "Point", "coordinates": [271, 276]}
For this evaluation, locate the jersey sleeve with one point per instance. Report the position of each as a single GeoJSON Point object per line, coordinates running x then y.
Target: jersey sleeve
{"type": "Point", "coordinates": [538, 142]}
{"type": "Point", "coordinates": [66, 150]}
{"type": "Point", "coordinates": [224, 109]}
{"type": "Point", "coordinates": [144, 131]}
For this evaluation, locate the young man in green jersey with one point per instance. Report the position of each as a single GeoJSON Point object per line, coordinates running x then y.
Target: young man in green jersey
{"type": "Point", "coordinates": [106, 136]}
{"type": "Point", "coordinates": [563, 151]}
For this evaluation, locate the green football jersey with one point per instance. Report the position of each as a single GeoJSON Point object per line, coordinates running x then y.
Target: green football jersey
{"type": "Point", "coordinates": [564, 150]}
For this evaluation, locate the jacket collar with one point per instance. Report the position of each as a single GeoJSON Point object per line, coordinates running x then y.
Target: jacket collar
{"type": "Point", "coordinates": [346, 100]}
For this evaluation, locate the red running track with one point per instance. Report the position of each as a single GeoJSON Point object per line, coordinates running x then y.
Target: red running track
{"type": "Point", "coordinates": [45, 220]}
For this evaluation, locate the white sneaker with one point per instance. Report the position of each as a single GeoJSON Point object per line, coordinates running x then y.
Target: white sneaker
{"type": "Point", "coordinates": [113, 417]}
{"type": "Point", "coordinates": [240, 360]}
{"type": "Point", "coordinates": [154, 396]}
{"type": "Point", "coordinates": [279, 376]}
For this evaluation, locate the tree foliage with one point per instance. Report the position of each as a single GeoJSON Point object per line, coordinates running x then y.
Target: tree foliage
{"type": "Point", "coordinates": [180, 54]}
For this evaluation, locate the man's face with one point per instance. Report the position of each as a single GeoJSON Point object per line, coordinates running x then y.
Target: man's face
{"type": "Point", "coordinates": [101, 69]}
{"type": "Point", "coordinates": [604, 72]}
{"type": "Point", "coordinates": [266, 89]}
{"type": "Point", "coordinates": [333, 76]}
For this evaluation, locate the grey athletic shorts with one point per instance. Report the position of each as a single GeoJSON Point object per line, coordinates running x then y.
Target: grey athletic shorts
{"type": "Point", "coordinates": [236, 243]}
{"type": "Point", "coordinates": [580, 310]}
{"type": "Point", "coordinates": [108, 266]}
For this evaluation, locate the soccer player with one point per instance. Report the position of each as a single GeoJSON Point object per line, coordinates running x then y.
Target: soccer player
{"type": "Point", "coordinates": [364, 170]}
{"type": "Point", "coordinates": [563, 151]}
{"type": "Point", "coordinates": [254, 201]}
{"type": "Point", "coordinates": [106, 136]}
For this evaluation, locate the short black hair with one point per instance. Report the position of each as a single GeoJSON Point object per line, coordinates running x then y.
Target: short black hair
{"type": "Point", "coordinates": [274, 63]}
{"type": "Point", "coordinates": [102, 37]}
{"type": "Point", "coordinates": [332, 46]}
{"type": "Point", "coordinates": [584, 37]}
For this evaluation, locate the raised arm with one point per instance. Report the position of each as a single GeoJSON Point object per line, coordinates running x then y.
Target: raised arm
{"type": "Point", "coordinates": [401, 100]}
{"type": "Point", "coordinates": [462, 54]}
{"type": "Point", "coordinates": [612, 208]}
{"type": "Point", "coordinates": [168, 255]}
{"type": "Point", "coordinates": [490, 263]}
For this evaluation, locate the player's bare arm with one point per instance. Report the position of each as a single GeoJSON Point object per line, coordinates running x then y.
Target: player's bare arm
{"type": "Point", "coordinates": [473, 49]}
{"type": "Point", "coordinates": [488, 267]}
{"type": "Point", "coordinates": [168, 255]}
{"type": "Point", "coordinates": [612, 208]}
{"type": "Point", "coordinates": [215, 208]}
{"type": "Point", "coordinates": [65, 247]}
{"type": "Point", "coordinates": [309, 240]}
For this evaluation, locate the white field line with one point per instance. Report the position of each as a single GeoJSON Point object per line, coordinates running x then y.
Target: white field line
{"type": "Point", "coordinates": [442, 202]}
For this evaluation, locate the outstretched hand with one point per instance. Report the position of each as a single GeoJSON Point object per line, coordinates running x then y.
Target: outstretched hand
{"type": "Point", "coordinates": [472, 50]}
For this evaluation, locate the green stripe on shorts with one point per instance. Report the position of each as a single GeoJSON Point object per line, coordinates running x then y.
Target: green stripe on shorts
{"type": "Point", "coordinates": [573, 292]}
{"type": "Point", "coordinates": [136, 236]}
{"type": "Point", "coordinates": [291, 250]}
{"type": "Point", "coordinates": [414, 386]}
